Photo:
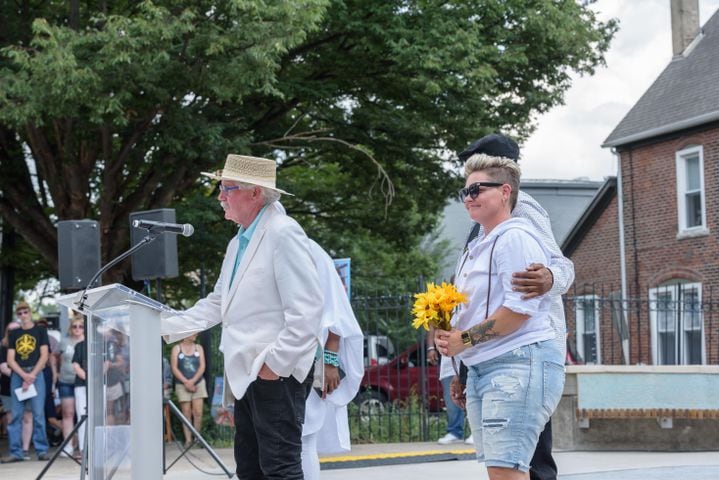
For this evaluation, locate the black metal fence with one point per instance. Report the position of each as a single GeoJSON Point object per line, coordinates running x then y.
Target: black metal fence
{"type": "Point", "coordinates": [401, 397]}
{"type": "Point", "coordinates": [674, 324]}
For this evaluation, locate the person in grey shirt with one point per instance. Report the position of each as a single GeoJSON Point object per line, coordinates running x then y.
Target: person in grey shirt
{"type": "Point", "coordinates": [554, 279]}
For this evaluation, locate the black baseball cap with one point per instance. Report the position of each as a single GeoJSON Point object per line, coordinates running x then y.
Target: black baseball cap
{"type": "Point", "coordinates": [495, 145]}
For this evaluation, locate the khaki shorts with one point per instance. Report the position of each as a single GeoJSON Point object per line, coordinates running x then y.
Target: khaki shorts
{"type": "Point", "coordinates": [114, 392]}
{"type": "Point", "coordinates": [184, 396]}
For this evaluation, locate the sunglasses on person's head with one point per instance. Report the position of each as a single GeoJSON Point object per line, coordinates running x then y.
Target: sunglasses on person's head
{"type": "Point", "coordinates": [474, 190]}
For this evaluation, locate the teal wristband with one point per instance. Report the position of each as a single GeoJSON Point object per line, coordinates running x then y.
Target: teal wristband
{"type": "Point", "coordinates": [331, 358]}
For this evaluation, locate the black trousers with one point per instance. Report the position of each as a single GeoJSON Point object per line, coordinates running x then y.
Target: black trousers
{"type": "Point", "coordinates": [542, 466]}
{"type": "Point", "coordinates": [268, 429]}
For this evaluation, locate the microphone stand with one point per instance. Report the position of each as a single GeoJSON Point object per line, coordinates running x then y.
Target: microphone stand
{"type": "Point", "coordinates": [148, 238]}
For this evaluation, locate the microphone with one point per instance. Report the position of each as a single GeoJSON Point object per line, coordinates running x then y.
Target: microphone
{"type": "Point", "coordinates": [185, 230]}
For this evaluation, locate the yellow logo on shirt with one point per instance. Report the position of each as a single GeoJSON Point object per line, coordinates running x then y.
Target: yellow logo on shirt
{"type": "Point", "coordinates": [25, 345]}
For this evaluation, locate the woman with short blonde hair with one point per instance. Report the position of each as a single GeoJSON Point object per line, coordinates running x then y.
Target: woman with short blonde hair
{"type": "Point", "coordinates": [516, 372]}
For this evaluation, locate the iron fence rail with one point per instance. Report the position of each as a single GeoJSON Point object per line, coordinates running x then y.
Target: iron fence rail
{"type": "Point", "coordinates": [401, 397]}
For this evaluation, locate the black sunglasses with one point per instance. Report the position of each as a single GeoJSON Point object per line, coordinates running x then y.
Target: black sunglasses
{"type": "Point", "coordinates": [474, 190]}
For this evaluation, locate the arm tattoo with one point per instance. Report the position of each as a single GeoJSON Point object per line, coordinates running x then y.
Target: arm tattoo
{"type": "Point", "coordinates": [483, 332]}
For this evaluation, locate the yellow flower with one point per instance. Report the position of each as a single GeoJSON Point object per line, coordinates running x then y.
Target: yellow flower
{"type": "Point", "coordinates": [434, 307]}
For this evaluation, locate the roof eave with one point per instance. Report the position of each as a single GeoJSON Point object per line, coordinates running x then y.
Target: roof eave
{"type": "Point", "coordinates": [664, 129]}
{"type": "Point", "coordinates": [609, 184]}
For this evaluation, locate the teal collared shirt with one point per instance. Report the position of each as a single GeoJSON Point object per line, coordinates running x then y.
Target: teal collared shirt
{"type": "Point", "coordinates": [244, 236]}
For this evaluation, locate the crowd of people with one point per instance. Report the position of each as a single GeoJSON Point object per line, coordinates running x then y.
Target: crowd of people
{"type": "Point", "coordinates": [37, 385]}
{"type": "Point", "coordinates": [43, 385]}
{"type": "Point", "coordinates": [293, 351]}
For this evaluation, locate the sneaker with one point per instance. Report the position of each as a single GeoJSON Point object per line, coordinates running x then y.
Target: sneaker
{"type": "Point", "coordinates": [25, 455]}
{"type": "Point", "coordinates": [12, 459]}
{"type": "Point", "coordinates": [449, 439]}
{"type": "Point", "coordinates": [469, 440]}
{"type": "Point", "coordinates": [43, 457]}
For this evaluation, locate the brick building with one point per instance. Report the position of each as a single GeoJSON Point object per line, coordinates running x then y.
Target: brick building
{"type": "Point", "coordinates": [655, 301]}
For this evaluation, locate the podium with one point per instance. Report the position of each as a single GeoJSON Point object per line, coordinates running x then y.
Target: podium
{"type": "Point", "coordinates": [124, 382]}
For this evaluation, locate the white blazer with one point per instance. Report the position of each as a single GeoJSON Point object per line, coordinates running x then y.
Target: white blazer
{"type": "Point", "coordinates": [270, 314]}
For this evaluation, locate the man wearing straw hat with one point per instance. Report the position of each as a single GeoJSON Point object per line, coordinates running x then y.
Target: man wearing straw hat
{"type": "Point", "coordinates": [269, 302]}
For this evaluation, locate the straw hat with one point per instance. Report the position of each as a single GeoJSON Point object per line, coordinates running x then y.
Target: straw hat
{"type": "Point", "coordinates": [252, 170]}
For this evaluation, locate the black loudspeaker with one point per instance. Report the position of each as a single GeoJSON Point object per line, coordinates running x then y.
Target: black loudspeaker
{"type": "Point", "coordinates": [78, 252]}
{"type": "Point", "coordinates": [159, 258]}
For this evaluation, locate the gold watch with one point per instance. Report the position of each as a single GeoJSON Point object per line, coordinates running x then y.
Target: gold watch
{"type": "Point", "coordinates": [466, 339]}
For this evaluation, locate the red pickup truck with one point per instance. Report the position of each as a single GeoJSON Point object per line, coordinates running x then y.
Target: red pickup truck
{"type": "Point", "coordinates": [397, 379]}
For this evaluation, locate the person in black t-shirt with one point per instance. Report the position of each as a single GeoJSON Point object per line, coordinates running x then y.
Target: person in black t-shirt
{"type": "Point", "coordinates": [5, 373]}
{"type": "Point", "coordinates": [79, 363]}
{"type": "Point", "coordinates": [27, 355]}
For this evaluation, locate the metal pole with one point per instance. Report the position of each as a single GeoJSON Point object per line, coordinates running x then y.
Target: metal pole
{"type": "Point", "coordinates": [158, 288]}
{"type": "Point", "coordinates": [622, 254]}
{"type": "Point", "coordinates": [205, 336]}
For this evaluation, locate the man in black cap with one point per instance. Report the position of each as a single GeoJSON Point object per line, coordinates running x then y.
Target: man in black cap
{"type": "Point", "coordinates": [538, 279]}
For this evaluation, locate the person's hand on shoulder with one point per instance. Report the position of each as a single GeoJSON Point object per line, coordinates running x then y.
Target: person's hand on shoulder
{"type": "Point", "coordinates": [535, 281]}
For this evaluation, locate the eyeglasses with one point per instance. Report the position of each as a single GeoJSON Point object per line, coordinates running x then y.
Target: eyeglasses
{"type": "Point", "coordinates": [474, 190]}
{"type": "Point", "coordinates": [225, 188]}
{"type": "Point", "coordinates": [77, 326]}
{"type": "Point", "coordinates": [23, 311]}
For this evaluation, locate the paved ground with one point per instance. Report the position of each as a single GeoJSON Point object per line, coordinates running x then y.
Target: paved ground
{"type": "Point", "coordinates": [420, 461]}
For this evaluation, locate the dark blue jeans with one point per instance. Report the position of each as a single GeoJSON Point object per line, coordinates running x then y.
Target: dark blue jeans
{"type": "Point", "coordinates": [37, 405]}
{"type": "Point", "coordinates": [268, 429]}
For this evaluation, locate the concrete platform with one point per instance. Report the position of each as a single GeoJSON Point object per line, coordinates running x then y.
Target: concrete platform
{"type": "Point", "coordinates": [428, 461]}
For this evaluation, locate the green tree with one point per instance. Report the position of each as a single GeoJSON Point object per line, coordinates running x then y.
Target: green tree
{"type": "Point", "coordinates": [111, 109]}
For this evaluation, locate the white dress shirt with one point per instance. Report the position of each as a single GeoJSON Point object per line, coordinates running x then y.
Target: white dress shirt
{"type": "Point", "coordinates": [517, 246]}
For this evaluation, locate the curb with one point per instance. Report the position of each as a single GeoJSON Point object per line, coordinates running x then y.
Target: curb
{"type": "Point", "coordinates": [381, 459]}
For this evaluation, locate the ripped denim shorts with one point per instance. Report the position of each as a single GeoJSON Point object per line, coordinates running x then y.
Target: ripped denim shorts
{"type": "Point", "coordinates": [510, 398]}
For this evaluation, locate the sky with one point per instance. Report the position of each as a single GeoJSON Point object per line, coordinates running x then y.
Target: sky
{"type": "Point", "coordinates": [567, 141]}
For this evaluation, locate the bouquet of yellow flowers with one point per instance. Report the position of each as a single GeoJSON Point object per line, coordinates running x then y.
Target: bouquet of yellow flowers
{"type": "Point", "coordinates": [434, 307]}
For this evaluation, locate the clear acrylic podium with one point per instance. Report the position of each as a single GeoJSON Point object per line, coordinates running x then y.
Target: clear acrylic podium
{"type": "Point", "coordinates": [124, 382]}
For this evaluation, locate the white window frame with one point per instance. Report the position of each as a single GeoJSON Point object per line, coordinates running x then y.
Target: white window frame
{"type": "Point", "coordinates": [681, 161]}
{"type": "Point", "coordinates": [680, 347]}
{"type": "Point", "coordinates": [579, 324]}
